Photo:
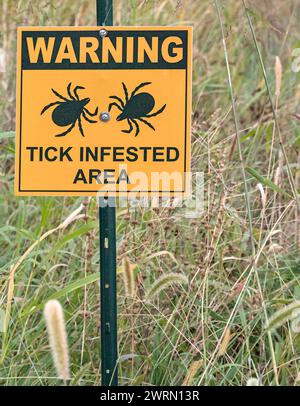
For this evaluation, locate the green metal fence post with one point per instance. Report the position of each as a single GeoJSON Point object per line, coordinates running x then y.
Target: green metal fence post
{"type": "Point", "coordinates": [104, 12]}
{"type": "Point", "coordinates": [108, 282]}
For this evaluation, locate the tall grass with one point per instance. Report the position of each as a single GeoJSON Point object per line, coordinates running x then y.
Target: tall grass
{"type": "Point", "coordinates": [241, 258]}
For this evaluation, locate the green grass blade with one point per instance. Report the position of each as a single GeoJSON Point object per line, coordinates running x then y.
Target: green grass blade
{"type": "Point", "coordinates": [31, 308]}
{"type": "Point", "coordinates": [265, 181]}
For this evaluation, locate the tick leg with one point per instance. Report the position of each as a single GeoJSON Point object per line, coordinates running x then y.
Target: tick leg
{"type": "Point", "coordinates": [91, 114]}
{"type": "Point", "coordinates": [157, 112]}
{"type": "Point", "coordinates": [119, 100]}
{"type": "Point", "coordinates": [49, 105]}
{"type": "Point", "coordinates": [76, 89]}
{"type": "Point", "coordinates": [59, 95]}
{"type": "Point", "coordinates": [137, 128]}
{"type": "Point", "coordinates": [130, 127]}
{"type": "Point", "coordinates": [66, 132]}
{"type": "Point", "coordinates": [139, 87]}
{"type": "Point", "coordinates": [69, 91]}
{"type": "Point", "coordinates": [125, 91]}
{"type": "Point", "coordinates": [114, 104]}
{"type": "Point", "coordinates": [146, 122]}
{"type": "Point", "coordinates": [80, 126]}
{"type": "Point", "coordinates": [88, 119]}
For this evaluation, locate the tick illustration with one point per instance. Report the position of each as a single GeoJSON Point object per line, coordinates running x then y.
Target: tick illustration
{"type": "Point", "coordinates": [69, 111]}
{"type": "Point", "coordinates": [137, 107]}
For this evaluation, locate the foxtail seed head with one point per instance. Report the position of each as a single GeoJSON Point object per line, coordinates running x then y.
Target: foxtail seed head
{"type": "Point", "coordinates": [253, 382]}
{"type": "Point", "coordinates": [54, 317]}
{"type": "Point", "coordinates": [129, 277]}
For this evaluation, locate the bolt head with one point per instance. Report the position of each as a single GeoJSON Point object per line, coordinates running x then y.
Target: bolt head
{"type": "Point", "coordinates": [105, 117]}
{"type": "Point", "coordinates": [103, 32]}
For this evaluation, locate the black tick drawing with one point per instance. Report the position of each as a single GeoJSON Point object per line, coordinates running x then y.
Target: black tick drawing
{"type": "Point", "coordinates": [136, 108]}
{"type": "Point", "coordinates": [69, 111]}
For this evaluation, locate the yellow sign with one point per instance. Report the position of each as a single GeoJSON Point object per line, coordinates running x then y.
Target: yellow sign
{"type": "Point", "coordinates": [103, 110]}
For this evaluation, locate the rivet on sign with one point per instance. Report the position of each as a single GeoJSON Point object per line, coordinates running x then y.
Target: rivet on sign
{"type": "Point", "coordinates": [107, 371]}
{"type": "Point", "coordinates": [106, 286]}
{"type": "Point", "coordinates": [104, 117]}
{"type": "Point", "coordinates": [103, 33]}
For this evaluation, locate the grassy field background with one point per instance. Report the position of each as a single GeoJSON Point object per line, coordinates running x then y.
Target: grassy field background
{"type": "Point", "coordinates": [241, 256]}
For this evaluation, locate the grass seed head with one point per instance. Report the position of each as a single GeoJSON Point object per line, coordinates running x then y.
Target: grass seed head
{"type": "Point", "coordinates": [165, 281]}
{"type": "Point", "coordinates": [253, 382]}
{"type": "Point", "coordinates": [280, 317]}
{"type": "Point", "coordinates": [129, 277]}
{"type": "Point", "coordinates": [54, 317]}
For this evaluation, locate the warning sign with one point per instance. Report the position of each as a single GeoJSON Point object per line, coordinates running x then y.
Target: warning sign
{"type": "Point", "coordinates": [103, 110]}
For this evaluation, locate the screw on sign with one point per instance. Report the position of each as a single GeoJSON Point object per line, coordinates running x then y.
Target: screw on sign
{"type": "Point", "coordinates": [103, 33]}
{"type": "Point", "coordinates": [105, 117]}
